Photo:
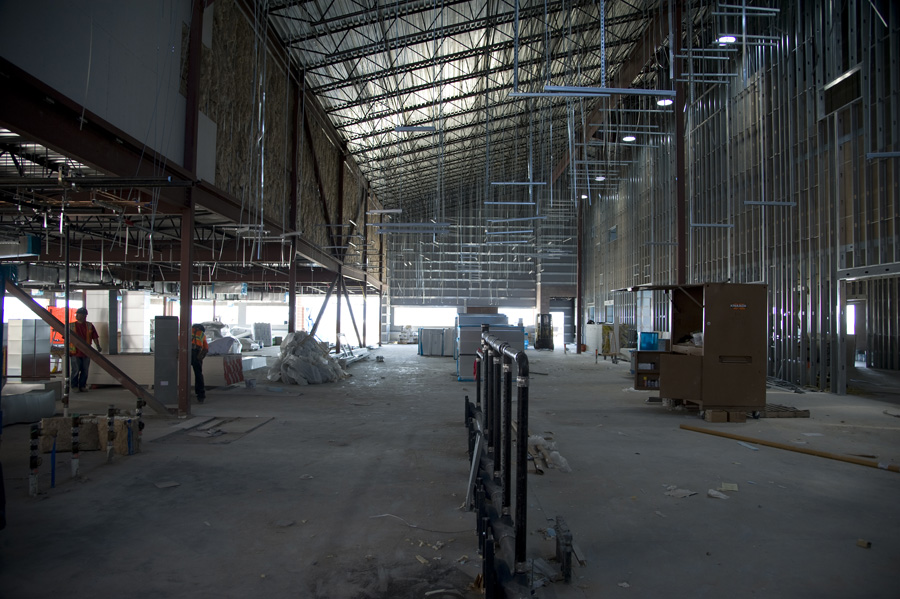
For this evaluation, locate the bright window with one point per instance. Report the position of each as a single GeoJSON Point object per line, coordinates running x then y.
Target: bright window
{"type": "Point", "coordinates": [851, 319]}
{"type": "Point", "coordinates": [420, 316]}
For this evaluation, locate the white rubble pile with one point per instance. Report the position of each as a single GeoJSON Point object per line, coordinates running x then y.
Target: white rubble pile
{"type": "Point", "coordinates": [304, 361]}
{"type": "Point", "coordinates": [224, 346]}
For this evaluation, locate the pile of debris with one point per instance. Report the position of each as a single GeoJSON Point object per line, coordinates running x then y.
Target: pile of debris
{"type": "Point", "coordinates": [305, 361]}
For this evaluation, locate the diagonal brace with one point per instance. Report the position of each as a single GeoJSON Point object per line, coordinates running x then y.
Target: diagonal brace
{"type": "Point", "coordinates": [94, 355]}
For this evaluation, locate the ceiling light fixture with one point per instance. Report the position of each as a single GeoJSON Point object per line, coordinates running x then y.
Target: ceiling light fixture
{"type": "Point", "coordinates": [406, 129]}
{"type": "Point", "coordinates": [599, 178]}
{"type": "Point", "coordinates": [518, 182]}
{"type": "Point", "coordinates": [629, 138]}
{"type": "Point", "coordinates": [727, 39]}
{"type": "Point", "coordinates": [633, 91]}
{"type": "Point", "coordinates": [665, 102]}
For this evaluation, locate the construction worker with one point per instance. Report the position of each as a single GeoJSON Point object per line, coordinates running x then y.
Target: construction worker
{"type": "Point", "coordinates": [81, 363]}
{"type": "Point", "coordinates": [199, 349]}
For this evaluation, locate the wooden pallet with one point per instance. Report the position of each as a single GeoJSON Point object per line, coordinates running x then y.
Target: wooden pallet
{"type": "Point", "coordinates": [773, 410]}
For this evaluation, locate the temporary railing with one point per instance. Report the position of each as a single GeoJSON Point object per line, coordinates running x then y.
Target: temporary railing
{"type": "Point", "coordinates": [489, 421]}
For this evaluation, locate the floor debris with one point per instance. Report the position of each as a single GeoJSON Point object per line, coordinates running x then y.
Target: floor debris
{"type": "Point", "coordinates": [673, 491]}
{"type": "Point", "coordinates": [715, 494]}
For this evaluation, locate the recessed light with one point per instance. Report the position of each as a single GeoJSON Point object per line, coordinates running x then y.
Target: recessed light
{"type": "Point", "coordinates": [665, 102]}
{"type": "Point", "coordinates": [629, 138]}
{"type": "Point", "coordinates": [599, 178]}
{"type": "Point", "coordinates": [583, 196]}
{"type": "Point", "coordinates": [727, 39]}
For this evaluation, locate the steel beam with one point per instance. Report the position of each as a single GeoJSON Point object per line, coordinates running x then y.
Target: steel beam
{"type": "Point", "coordinates": [40, 113]}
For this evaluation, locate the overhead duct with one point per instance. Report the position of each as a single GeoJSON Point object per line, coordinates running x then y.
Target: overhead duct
{"type": "Point", "coordinates": [26, 246]}
{"type": "Point", "coordinates": [230, 288]}
{"type": "Point", "coordinates": [56, 276]}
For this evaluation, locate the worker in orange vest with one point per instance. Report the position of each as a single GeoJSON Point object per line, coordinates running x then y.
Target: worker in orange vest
{"type": "Point", "coordinates": [81, 363]}
{"type": "Point", "coordinates": [199, 349]}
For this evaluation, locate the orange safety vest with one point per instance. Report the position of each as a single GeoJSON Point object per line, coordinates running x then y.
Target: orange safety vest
{"type": "Point", "coordinates": [198, 340]}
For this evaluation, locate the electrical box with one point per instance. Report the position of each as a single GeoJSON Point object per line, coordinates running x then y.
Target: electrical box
{"type": "Point", "coordinates": [165, 359]}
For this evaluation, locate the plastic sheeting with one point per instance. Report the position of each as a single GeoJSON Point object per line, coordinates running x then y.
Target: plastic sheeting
{"type": "Point", "coordinates": [224, 346]}
{"type": "Point", "coordinates": [304, 361]}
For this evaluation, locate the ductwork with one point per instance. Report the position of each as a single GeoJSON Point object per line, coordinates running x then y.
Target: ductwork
{"type": "Point", "coordinates": [56, 276]}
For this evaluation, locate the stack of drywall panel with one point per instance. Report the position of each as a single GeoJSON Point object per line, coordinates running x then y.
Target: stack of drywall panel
{"type": "Point", "coordinates": [436, 341]}
{"type": "Point", "coordinates": [136, 319]}
{"type": "Point", "coordinates": [262, 332]}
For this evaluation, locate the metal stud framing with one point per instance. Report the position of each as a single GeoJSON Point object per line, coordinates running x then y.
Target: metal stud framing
{"type": "Point", "coordinates": [792, 182]}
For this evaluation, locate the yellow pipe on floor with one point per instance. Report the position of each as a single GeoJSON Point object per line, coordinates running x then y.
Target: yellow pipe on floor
{"type": "Point", "coordinates": [821, 454]}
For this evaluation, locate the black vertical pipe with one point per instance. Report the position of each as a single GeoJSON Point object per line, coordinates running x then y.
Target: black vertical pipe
{"type": "Point", "coordinates": [484, 373]}
{"type": "Point", "coordinates": [496, 419]}
{"type": "Point", "coordinates": [479, 358]}
{"type": "Point", "coordinates": [489, 408]}
{"type": "Point", "coordinates": [480, 516]}
{"type": "Point", "coordinates": [521, 456]}
{"type": "Point", "coordinates": [487, 372]}
{"type": "Point", "coordinates": [507, 434]}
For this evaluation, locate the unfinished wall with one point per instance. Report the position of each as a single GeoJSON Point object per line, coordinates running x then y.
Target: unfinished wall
{"type": "Point", "coordinates": [791, 181]}
{"type": "Point", "coordinates": [244, 91]}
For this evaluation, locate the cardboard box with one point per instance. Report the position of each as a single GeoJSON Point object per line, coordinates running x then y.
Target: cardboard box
{"type": "Point", "coordinates": [716, 416]}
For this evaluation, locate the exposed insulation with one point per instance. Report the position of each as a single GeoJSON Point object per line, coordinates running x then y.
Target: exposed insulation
{"type": "Point", "coordinates": [227, 98]}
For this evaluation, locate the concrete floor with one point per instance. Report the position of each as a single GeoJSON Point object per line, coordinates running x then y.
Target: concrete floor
{"type": "Point", "coordinates": [345, 486]}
